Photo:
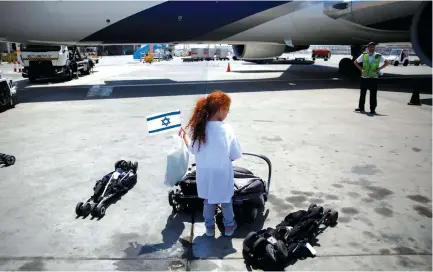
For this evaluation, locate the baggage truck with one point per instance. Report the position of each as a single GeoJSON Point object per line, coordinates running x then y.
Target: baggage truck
{"type": "Point", "coordinates": [321, 54]}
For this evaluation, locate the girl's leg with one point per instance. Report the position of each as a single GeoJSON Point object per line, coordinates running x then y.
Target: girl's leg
{"type": "Point", "coordinates": [229, 220]}
{"type": "Point", "coordinates": [209, 217]}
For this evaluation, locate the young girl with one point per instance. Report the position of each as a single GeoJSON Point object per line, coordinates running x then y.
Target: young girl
{"type": "Point", "coordinates": [215, 146]}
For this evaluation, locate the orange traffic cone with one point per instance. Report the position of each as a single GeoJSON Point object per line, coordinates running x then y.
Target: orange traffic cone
{"type": "Point", "coordinates": [228, 67]}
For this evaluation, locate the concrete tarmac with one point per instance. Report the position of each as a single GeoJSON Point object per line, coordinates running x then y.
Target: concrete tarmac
{"type": "Point", "coordinates": [374, 170]}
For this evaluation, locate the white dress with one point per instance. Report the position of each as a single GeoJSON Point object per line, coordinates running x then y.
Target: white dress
{"type": "Point", "coordinates": [215, 177]}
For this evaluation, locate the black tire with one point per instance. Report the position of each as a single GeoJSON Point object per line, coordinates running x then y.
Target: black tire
{"type": "Point", "coordinates": [170, 198]}
{"type": "Point", "coordinates": [252, 215]}
{"type": "Point", "coordinates": [396, 63]}
{"type": "Point", "coordinates": [10, 160]}
{"type": "Point", "coordinates": [270, 254]}
{"type": "Point", "coordinates": [281, 251]}
{"type": "Point", "coordinates": [334, 217]}
{"type": "Point", "coordinates": [100, 210]}
{"type": "Point", "coordinates": [93, 210]}
{"type": "Point", "coordinates": [69, 75]}
{"type": "Point", "coordinates": [249, 241]}
{"type": "Point", "coordinates": [78, 208]}
{"type": "Point", "coordinates": [135, 167]}
{"type": "Point", "coordinates": [406, 63]}
{"type": "Point", "coordinates": [259, 246]}
{"type": "Point", "coordinates": [311, 207]}
{"type": "Point", "coordinates": [117, 164]}
{"type": "Point", "coordinates": [86, 209]}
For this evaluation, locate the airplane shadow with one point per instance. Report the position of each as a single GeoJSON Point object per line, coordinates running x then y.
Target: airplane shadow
{"type": "Point", "coordinates": [294, 78]}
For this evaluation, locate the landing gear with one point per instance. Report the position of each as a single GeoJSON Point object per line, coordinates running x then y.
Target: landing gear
{"type": "Point", "coordinates": [346, 67]}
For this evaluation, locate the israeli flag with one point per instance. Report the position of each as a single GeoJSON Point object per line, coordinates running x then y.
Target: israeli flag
{"type": "Point", "coordinates": [163, 122]}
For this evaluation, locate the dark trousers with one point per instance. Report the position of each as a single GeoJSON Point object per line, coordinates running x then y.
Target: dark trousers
{"type": "Point", "coordinates": [371, 85]}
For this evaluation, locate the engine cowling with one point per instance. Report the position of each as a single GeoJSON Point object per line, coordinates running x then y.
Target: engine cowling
{"type": "Point", "coordinates": [421, 33]}
{"type": "Point", "coordinates": [258, 51]}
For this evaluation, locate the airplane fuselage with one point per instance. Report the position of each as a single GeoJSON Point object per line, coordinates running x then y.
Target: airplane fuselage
{"type": "Point", "coordinates": [266, 23]}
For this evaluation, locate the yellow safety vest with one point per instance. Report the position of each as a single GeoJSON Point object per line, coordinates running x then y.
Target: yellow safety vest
{"type": "Point", "coordinates": [369, 70]}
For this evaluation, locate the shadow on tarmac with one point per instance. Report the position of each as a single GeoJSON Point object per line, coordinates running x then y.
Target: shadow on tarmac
{"type": "Point", "coordinates": [295, 78]}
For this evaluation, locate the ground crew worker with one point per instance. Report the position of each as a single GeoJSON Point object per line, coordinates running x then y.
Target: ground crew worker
{"type": "Point", "coordinates": [370, 73]}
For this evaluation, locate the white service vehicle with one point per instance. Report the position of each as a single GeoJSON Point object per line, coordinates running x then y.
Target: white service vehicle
{"type": "Point", "coordinates": [53, 61]}
{"type": "Point", "coordinates": [8, 94]}
{"type": "Point", "coordinates": [197, 54]}
{"type": "Point", "coordinates": [399, 56]}
{"type": "Point", "coordinates": [222, 53]}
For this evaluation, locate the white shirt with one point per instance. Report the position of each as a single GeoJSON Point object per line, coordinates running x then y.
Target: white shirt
{"type": "Point", "coordinates": [370, 58]}
{"type": "Point", "coordinates": [215, 176]}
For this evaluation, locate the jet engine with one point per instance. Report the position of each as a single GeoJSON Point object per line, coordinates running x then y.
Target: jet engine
{"type": "Point", "coordinates": [263, 51]}
{"type": "Point", "coordinates": [421, 33]}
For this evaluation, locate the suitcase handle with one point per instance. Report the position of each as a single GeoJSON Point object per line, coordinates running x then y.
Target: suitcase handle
{"type": "Point", "coordinates": [268, 161]}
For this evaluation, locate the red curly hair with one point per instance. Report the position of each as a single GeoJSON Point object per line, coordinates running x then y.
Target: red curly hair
{"type": "Point", "coordinates": [206, 108]}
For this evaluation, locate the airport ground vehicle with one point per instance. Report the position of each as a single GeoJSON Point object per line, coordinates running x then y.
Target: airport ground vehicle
{"type": "Point", "coordinates": [250, 193]}
{"type": "Point", "coordinates": [53, 61]}
{"type": "Point", "coordinates": [399, 56]}
{"type": "Point", "coordinates": [121, 180]}
{"type": "Point", "coordinates": [321, 54]}
{"type": "Point", "coordinates": [8, 94]}
{"type": "Point", "coordinates": [222, 53]}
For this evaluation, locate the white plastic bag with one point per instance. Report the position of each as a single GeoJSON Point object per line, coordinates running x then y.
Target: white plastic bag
{"type": "Point", "coordinates": [177, 162]}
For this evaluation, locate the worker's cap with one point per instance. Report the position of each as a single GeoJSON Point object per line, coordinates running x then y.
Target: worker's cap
{"type": "Point", "coordinates": [371, 43]}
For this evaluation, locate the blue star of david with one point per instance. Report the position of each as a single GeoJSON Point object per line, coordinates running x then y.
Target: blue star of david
{"type": "Point", "coordinates": [165, 121]}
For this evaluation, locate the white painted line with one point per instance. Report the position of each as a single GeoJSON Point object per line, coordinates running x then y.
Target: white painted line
{"type": "Point", "coordinates": [101, 91]}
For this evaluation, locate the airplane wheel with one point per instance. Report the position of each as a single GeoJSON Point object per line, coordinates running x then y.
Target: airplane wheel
{"type": "Point", "coordinates": [347, 68]}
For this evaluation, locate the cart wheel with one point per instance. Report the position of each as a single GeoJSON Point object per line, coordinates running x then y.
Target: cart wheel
{"type": "Point", "coordinates": [93, 212]}
{"type": "Point", "coordinates": [10, 160]}
{"type": "Point", "coordinates": [100, 210]}
{"type": "Point", "coordinates": [78, 208]}
{"type": "Point", "coordinates": [86, 209]}
{"type": "Point", "coordinates": [135, 167]}
{"type": "Point", "coordinates": [249, 241]}
{"type": "Point", "coordinates": [334, 217]}
{"type": "Point", "coordinates": [270, 254]}
{"type": "Point", "coordinates": [281, 251]}
{"type": "Point", "coordinates": [311, 207]}
{"type": "Point", "coordinates": [251, 215]}
{"type": "Point", "coordinates": [170, 198]}
{"type": "Point", "coordinates": [259, 246]}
